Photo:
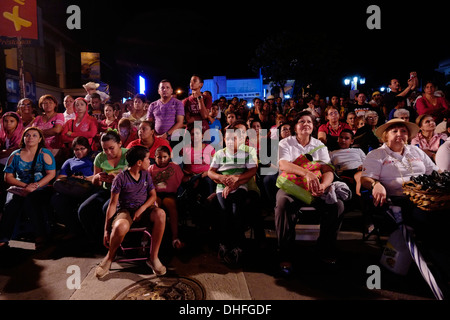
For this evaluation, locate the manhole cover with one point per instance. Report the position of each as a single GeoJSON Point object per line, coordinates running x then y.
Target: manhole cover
{"type": "Point", "coordinates": [163, 289]}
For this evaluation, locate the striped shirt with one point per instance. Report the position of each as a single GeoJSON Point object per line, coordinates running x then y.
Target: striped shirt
{"type": "Point", "coordinates": [229, 163]}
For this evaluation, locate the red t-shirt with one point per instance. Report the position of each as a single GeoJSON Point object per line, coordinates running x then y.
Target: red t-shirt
{"type": "Point", "coordinates": [192, 110]}
{"type": "Point", "coordinates": [335, 133]}
{"type": "Point", "coordinates": [166, 179]}
{"type": "Point", "coordinates": [158, 142]}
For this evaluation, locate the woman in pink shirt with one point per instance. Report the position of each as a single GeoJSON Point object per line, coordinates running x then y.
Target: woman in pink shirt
{"type": "Point", "coordinates": [83, 124]}
{"type": "Point", "coordinates": [197, 158]}
{"type": "Point", "coordinates": [431, 104]}
{"type": "Point", "coordinates": [427, 139]}
{"type": "Point", "coordinates": [50, 122]}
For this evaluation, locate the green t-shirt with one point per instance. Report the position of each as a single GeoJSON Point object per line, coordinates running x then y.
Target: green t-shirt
{"type": "Point", "coordinates": [101, 162]}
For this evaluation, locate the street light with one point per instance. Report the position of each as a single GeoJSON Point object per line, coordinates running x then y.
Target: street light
{"type": "Point", "coordinates": [353, 81]}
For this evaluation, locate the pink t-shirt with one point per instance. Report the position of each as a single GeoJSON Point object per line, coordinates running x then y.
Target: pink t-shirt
{"type": "Point", "coordinates": [166, 179]}
{"type": "Point", "coordinates": [438, 111]}
{"type": "Point", "coordinates": [52, 142]}
{"type": "Point", "coordinates": [198, 161]}
{"type": "Point", "coordinates": [432, 145]}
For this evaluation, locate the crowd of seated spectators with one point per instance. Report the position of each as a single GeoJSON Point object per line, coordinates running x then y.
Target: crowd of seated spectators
{"type": "Point", "coordinates": [227, 154]}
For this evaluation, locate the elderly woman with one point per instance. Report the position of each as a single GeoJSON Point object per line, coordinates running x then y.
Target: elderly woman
{"type": "Point", "coordinates": [26, 111]}
{"type": "Point", "coordinates": [388, 167]}
{"type": "Point", "coordinates": [427, 139]}
{"type": "Point", "coordinates": [290, 148]}
{"type": "Point", "coordinates": [403, 114]}
{"type": "Point", "coordinates": [395, 162]}
{"type": "Point", "coordinates": [365, 137]}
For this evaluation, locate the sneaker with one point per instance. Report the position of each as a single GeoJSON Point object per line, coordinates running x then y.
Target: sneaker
{"type": "Point", "coordinates": [222, 252]}
{"type": "Point", "coordinates": [234, 257]}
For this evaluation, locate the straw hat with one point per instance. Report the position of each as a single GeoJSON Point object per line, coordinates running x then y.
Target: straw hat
{"type": "Point", "coordinates": [91, 85]}
{"type": "Point", "coordinates": [412, 127]}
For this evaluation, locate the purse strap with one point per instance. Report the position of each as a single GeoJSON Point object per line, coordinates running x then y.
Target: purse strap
{"type": "Point", "coordinates": [315, 149]}
{"type": "Point", "coordinates": [33, 165]}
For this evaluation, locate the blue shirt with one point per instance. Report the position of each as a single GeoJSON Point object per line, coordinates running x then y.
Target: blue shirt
{"type": "Point", "coordinates": [22, 169]}
{"type": "Point", "coordinates": [215, 134]}
{"type": "Point", "coordinates": [85, 166]}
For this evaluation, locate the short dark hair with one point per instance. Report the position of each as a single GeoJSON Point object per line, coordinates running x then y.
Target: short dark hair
{"type": "Point", "coordinates": [199, 77]}
{"type": "Point", "coordinates": [82, 141]}
{"type": "Point", "coordinates": [140, 96]}
{"type": "Point", "coordinates": [297, 118]}
{"type": "Point", "coordinates": [136, 153]}
{"type": "Point", "coordinates": [348, 131]}
{"type": "Point", "coordinates": [238, 122]}
{"type": "Point", "coordinates": [165, 80]}
{"type": "Point", "coordinates": [162, 149]}
{"type": "Point", "coordinates": [95, 95]}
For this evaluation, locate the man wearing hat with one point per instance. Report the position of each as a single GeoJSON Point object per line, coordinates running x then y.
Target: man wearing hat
{"type": "Point", "coordinates": [271, 101]}
{"type": "Point", "coordinates": [91, 87]}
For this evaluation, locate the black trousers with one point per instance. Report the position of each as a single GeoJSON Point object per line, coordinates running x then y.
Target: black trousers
{"type": "Point", "coordinates": [286, 217]}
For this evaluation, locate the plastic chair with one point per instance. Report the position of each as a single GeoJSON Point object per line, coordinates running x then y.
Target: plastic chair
{"type": "Point", "coordinates": [129, 245]}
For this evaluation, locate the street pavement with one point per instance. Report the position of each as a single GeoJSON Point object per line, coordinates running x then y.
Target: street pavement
{"type": "Point", "coordinates": [65, 270]}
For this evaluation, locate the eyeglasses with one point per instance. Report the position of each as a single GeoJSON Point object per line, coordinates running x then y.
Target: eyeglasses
{"type": "Point", "coordinates": [372, 118]}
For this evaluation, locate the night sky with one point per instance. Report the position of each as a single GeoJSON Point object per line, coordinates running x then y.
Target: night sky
{"type": "Point", "coordinates": [172, 40]}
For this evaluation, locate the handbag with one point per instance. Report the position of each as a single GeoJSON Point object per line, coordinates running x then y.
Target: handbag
{"type": "Point", "coordinates": [295, 185]}
{"type": "Point", "coordinates": [73, 187]}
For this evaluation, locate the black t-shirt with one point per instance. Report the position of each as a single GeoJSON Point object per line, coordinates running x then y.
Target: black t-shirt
{"type": "Point", "coordinates": [389, 100]}
{"type": "Point", "coordinates": [360, 110]}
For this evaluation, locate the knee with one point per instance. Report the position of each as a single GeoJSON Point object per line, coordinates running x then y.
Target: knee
{"type": "Point", "coordinates": [159, 215]}
{"type": "Point", "coordinates": [121, 227]}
